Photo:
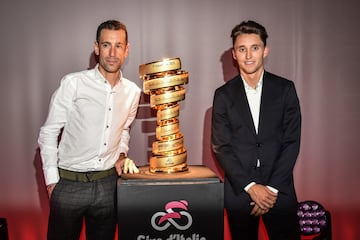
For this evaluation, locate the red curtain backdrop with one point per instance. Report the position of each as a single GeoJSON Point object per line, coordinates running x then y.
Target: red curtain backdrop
{"type": "Point", "coordinates": [313, 43]}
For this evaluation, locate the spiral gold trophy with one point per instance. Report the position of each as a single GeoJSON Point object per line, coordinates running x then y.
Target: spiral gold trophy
{"type": "Point", "coordinates": [164, 81]}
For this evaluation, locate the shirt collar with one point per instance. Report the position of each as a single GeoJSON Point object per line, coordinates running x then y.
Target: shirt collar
{"type": "Point", "coordinates": [99, 76]}
{"type": "Point", "coordinates": [258, 86]}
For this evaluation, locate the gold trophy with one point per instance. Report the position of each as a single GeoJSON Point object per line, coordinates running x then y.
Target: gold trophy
{"type": "Point", "coordinates": [164, 81]}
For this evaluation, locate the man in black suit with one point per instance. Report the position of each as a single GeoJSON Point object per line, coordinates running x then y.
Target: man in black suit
{"type": "Point", "coordinates": [256, 128]}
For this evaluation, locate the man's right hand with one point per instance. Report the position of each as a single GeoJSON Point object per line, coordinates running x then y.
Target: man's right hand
{"type": "Point", "coordinates": [50, 189]}
{"type": "Point", "coordinates": [262, 196]}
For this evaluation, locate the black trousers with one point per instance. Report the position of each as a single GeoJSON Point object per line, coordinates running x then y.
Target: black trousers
{"type": "Point", "coordinates": [281, 222]}
{"type": "Point", "coordinates": [74, 202]}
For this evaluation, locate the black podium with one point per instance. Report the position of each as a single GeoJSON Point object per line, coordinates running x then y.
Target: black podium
{"type": "Point", "coordinates": [178, 206]}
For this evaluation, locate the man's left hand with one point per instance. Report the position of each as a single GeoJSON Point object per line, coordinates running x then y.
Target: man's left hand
{"type": "Point", "coordinates": [125, 165]}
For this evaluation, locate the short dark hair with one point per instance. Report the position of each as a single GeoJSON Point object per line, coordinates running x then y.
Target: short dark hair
{"type": "Point", "coordinates": [111, 25]}
{"type": "Point", "coordinates": [249, 27]}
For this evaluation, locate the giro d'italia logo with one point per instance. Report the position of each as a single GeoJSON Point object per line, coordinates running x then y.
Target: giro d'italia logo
{"type": "Point", "coordinates": [175, 214]}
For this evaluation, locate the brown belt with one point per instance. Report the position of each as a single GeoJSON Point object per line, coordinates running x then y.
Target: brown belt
{"type": "Point", "coordinates": [85, 176]}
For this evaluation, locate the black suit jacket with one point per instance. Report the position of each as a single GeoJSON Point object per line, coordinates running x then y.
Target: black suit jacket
{"type": "Point", "coordinates": [236, 145]}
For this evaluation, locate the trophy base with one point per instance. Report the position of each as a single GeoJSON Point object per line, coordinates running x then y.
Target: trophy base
{"type": "Point", "coordinates": [180, 168]}
{"type": "Point", "coordinates": [191, 172]}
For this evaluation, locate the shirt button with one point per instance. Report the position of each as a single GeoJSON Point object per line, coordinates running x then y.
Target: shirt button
{"type": "Point", "coordinates": [104, 144]}
{"type": "Point", "coordinates": [109, 109]}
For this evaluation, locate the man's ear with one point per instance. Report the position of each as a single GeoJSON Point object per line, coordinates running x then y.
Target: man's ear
{"type": "Point", "coordinates": [233, 53]}
{"type": "Point", "coordinates": [266, 52]}
{"type": "Point", "coordinates": [96, 48]}
{"type": "Point", "coordinates": [127, 49]}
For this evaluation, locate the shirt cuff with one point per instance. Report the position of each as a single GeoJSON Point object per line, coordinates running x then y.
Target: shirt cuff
{"type": "Point", "coordinates": [51, 176]}
{"type": "Point", "coordinates": [273, 189]}
{"type": "Point", "coordinates": [247, 187]}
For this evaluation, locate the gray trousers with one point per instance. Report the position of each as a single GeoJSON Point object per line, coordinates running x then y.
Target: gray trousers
{"type": "Point", "coordinates": [73, 202]}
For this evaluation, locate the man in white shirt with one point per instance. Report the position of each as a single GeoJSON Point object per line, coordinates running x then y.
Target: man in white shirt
{"type": "Point", "coordinates": [91, 113]}
{"type": "Point", "coordinates": [256, 127]}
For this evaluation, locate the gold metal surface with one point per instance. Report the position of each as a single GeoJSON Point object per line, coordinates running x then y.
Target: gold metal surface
{"type": "Point", "coordinates": [159, 66]}
{"type": "Point", "coordinates": [177, 79]}
{"type": "Point", "coordinates": [165, 146]}
{"type": "Point", "coordinates": [166, 130]}
{"type": "Point", "coordinates": [173, 96]}
{"type": "Point", "coordinates": [167, 113]}
{"type": "Point", "coordinates": [170, 169]}
{"type": "Point", "coordinates": [163, 81]}
{"type": "Point", "coordinates": [168, 161]}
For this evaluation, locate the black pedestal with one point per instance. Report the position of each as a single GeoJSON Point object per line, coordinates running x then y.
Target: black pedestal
{"type": "Point", "coordinates": [177, 206]}
{"type": "Point", "coordinates": [3, 229]}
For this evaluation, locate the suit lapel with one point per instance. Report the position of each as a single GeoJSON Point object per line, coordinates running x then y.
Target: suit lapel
{"type": "Point", "coordinates": [265, 103]}
{"type": "Point", "coordinates": [243, 105]}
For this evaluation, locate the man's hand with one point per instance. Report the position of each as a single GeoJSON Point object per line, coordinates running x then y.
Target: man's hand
{"type": "Point", "coordinates": [129, 166]}
{"type": "Point", "coordinates": [125, 165]}
{"type": "Point", "coordinates": [50, 189]}
{"type": "Point", "coordinates": [257, 211]}
{"type": "Point", "coordinates": [263, 198]}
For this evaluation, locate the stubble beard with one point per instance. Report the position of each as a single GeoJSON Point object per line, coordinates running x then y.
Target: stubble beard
{"type": "Point", "coordinates": [110, 68]}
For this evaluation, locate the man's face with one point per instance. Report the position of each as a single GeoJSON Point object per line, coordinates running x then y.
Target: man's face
{"type": "Point", "coordinates": [249, 53]}
{"type": "Point", "coordinates": [112, 50]}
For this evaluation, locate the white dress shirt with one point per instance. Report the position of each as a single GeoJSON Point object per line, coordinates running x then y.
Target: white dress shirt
{"type": "Point", "coordinates": [254, 99]}
{"type": "Point", "coordinates": [95, 119]}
